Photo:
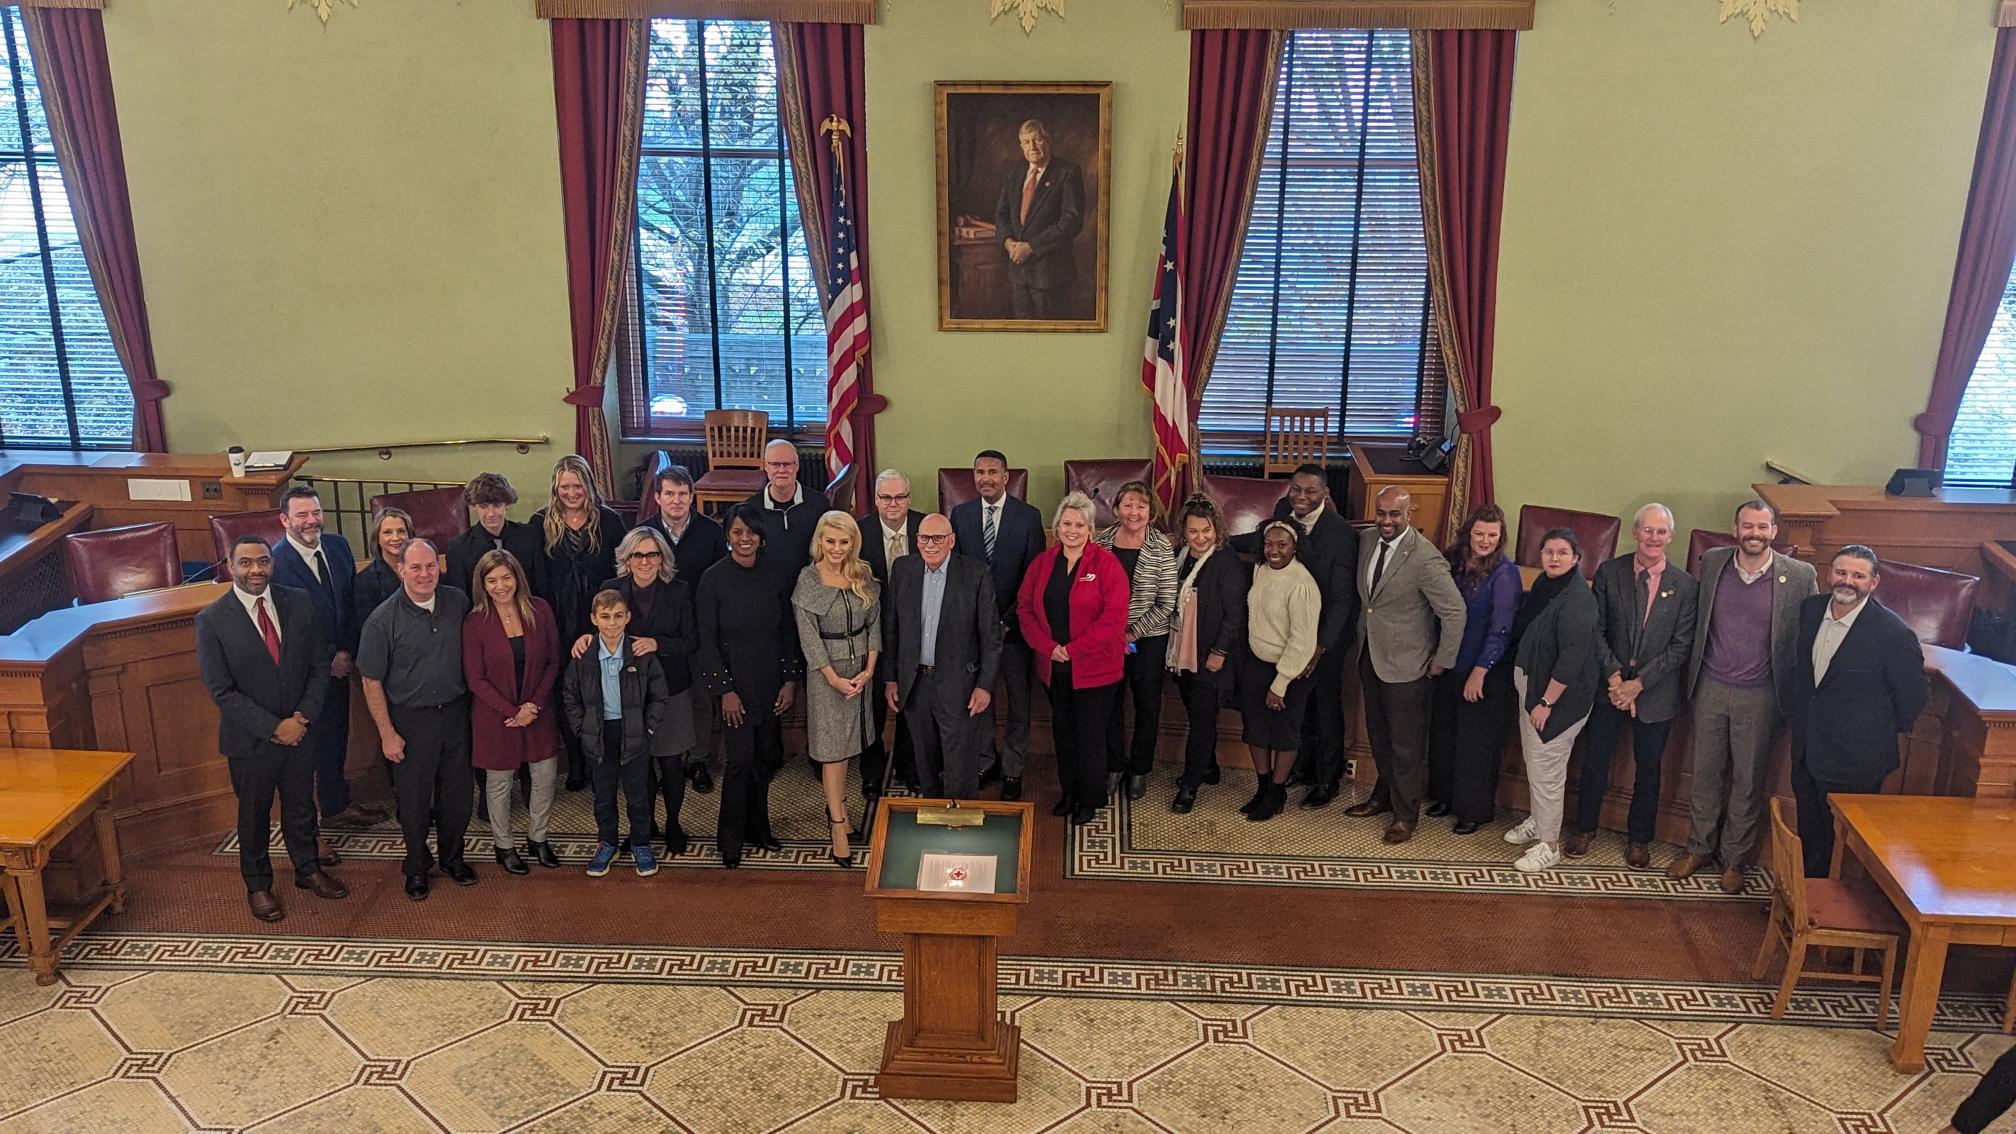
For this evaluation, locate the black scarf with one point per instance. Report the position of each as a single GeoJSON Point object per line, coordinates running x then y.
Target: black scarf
{"type": "Point", "coordinates": [1545, 590]}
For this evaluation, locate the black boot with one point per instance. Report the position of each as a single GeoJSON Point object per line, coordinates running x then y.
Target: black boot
{"type": "Point", "coordinates": [1259, 793]}
{"type": "Point", "coordinates": [1273, 797]}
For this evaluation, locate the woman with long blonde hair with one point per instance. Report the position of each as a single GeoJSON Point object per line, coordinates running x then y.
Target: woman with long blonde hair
{"type": "Point", "coordinates": [839, 617]}
{"type": "Point", "coordinates": [578, 534]}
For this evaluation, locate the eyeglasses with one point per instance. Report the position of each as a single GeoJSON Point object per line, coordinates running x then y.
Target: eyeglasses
{"type": "Point", "coordinates": [934, 540]}
{"type": "Point", "coordinates": [887, 498]}
{"type": "Point", "coordinates": [647, 555]}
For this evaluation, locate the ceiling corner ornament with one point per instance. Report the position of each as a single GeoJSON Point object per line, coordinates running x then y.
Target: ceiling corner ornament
{"type": "Point", "coordinates": [1025, 11]}
{"type": "Point", "coordinates": [323, 9]}
{"type": "Point", "coordinates": [1757, 13]}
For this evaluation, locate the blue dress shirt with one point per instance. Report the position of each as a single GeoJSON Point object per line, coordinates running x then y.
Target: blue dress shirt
{"type": "Point", "coordinates": [933, 600]}
{"type": "Point", "coordinates": [612, 680]}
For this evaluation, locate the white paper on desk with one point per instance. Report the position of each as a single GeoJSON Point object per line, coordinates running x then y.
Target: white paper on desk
{"type": "Point", "coordinates": [152, 489]}
{"type": "Point", "coordinates": [268, 459]}
{"type": "Point", "coordinates": [961, 873]}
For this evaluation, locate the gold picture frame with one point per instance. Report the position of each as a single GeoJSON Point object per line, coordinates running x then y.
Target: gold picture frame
{"type": "Point", "coordinates": [992, 192]}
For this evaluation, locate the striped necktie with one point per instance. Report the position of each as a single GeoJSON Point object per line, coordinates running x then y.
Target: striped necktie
{"type": "Point", "coordinates": [988, 530]}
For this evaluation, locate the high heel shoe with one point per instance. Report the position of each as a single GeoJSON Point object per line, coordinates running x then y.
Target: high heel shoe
{"type": "Point", "coordinates": [846, 861]}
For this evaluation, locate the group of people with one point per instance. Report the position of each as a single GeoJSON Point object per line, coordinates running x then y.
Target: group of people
{"type": "Point", "coordinates": [621, 651]}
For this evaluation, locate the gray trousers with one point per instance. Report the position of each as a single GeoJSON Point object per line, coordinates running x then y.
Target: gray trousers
{"type": "Point", "coordinates": [1546, 766]}
{"type": "Point", "coordinates": [1732, 741]}
{"type": "Point", "coordinates": [497, 793]}
{"type": "Point", "coordinates": [1016, 664]}
{"type": "Point", "coordinates": [703, 729]}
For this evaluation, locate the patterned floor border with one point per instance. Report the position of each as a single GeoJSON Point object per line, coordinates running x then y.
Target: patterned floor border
{"type": "Point", "coordinates": [1104, 849]}
{"type": "Point", "coordinates": [1727, 1002]}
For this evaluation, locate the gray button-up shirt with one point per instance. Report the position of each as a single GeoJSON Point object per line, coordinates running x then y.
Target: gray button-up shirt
{"type": "Point", "coordinates": [415, 652]}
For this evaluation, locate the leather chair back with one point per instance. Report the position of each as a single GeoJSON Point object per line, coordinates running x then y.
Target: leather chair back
{"type": "Point", "coordinates": [1101, 480]}
{"type": "Point", "coordinates": [955, 487]}
{"type": "Point", "coordinates": [115, 562]}
{"type": "Point", "coordinates": [1246, 501]}
{"type": "Point", "coordinates": [225, 530]}
{"type": "Point", "coordinates": [1937, 605]}
{"type": "Point", "coordinates": [1701, 539]}
{"type": "Point", "coordinates": [1596, 532]}
{"type": "Point", "coordinates": [647, 489]}
{"type": "Point", "coordinates": [439, 514]}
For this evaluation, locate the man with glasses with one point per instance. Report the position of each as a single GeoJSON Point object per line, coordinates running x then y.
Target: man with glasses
{"type": "Point", "coordinates": [888, 534]}
{"type": "Point", "coordinates": [941, 638]}
{"type": "Point", "coordinates": [790, 511]}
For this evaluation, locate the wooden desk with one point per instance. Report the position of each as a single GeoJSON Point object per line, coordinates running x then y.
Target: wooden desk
{"type": "Point", "coordinates": [1944, 530]}
{"type": "Point", "coordinates": [1381, 466]}
{"type": "Point", "coordinates": [44, 795]}
{"type": "Point", "coordinates": [108, 482]}
{"type": "Point", "coordinates": [1949, 866]}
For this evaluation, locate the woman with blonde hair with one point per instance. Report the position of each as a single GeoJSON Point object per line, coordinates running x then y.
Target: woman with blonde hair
{"type": "Point", "coordinates": [1149, 559]}
{"type": "Point", "coordinates": [840, 634]}
{"type": "Point", "coordinates": [511, 658]}
{"type": "Point", "coordinates": [379, 580]}
{"type": "Point", "coordinates": [578, 535]}
{"type": "Point", "coordinates": [1073, 611]}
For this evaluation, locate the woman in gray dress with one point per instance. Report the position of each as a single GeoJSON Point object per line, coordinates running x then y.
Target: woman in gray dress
{"type": "Point", "coordinates": [840, 633]}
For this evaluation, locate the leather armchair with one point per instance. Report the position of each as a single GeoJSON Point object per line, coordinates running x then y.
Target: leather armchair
{"type": "Point", "coordinates": [1937, 605]}
{"type": "Point", "coordinates": [955, 487]}
{"type": "Point", "coordinates": [116, 562]}
{"type": "Point", "coordinates": [225, 530]}
{"type": "Point", "coordinates": [439, 514]}
{"type": "Point", "coordinates": [1596, 532]}
{"type": "Point", "coordinates": [647, 489]}
{"type": "Point", "coordinates": [1701, 539]}
{"type": "Point", "coordinates": [1246, 501]}
{"type": "Point", "coordinates": [1101, 480]}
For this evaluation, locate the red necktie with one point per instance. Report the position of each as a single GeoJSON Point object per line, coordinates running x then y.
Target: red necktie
{"type": "Point", "coordinates": [267, 631]}
{"type": "Point", "coordinates": [1028, 194]}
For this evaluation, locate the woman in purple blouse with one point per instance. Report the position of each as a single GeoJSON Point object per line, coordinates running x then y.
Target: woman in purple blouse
{"type": "Point", "coordinates": [1472, 710]}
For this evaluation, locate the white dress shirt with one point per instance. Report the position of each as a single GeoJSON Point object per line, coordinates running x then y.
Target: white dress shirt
{"type": "Point", "coordinates": [1392, 547]}
{"type": "Point", "coordinates": [308, 556]}
{"type": "Point", "coordinates": [252, 602]}
{"type": "Point", "coordinates": [1832, 631]}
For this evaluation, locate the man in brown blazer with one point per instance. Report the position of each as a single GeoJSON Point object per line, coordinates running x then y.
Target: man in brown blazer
{"type": "Point", "coordinates": [1411, 630]}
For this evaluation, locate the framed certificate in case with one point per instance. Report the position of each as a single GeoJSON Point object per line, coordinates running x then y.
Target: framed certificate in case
{"type": "Point", "coordinates": [971, 873]}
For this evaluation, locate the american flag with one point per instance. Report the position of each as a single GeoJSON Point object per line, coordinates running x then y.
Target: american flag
{"type": "Point", "coordinates": [846, 326]}
{"type": "Point", "coordinates": [1162, 372]}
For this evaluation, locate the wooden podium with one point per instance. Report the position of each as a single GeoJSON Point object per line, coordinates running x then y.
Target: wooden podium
{"type": "Point", "coordinates": [951, 1042]}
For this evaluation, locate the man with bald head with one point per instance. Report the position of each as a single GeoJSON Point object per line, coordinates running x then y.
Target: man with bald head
{"type": "Point", "coordinates": [1645, 614]}
{"type": "Point", "coordinates": [1411, 630]}
{"type": "Point", "coordinates": [941, 635]}
{"type": "Point", "coordinates": [789, 509]}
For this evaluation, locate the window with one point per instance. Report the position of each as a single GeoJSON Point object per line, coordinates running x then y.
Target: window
{"type": "Point", "coordinates": [61, 385]}
{"type": "Point", "coordinates": [725, 311]}
{"type": "Point", "coordinates": [1982, 448]}
{"type": "Point", "coordinates": [1330, 307]}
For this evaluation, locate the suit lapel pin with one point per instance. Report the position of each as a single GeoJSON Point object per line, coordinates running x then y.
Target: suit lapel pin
{"type": "Point", "coordinates": [1781, 578]}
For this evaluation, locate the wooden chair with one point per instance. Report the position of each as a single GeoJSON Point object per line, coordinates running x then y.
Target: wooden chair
{"type": "Point", "coordinates": [1823, 913]}
{"type": "Point", "coordinates": [1295, 437]}
{"type": "Point", "coordinates": [735, 440]}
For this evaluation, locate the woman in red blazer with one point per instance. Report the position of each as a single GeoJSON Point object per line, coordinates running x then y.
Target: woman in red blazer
{"type": "Point", "coordinates": [511, 658]}
{"type": "Point", "coordinates": [1073, 611]}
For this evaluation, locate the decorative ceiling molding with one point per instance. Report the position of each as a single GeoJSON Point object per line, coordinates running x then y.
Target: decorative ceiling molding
{"type": "Point", "coordinates": [323, 9]}
{"type": "Point", "coordinates": [1757, 13]}
{"type": "Point", "coordinates": [1026, 11]}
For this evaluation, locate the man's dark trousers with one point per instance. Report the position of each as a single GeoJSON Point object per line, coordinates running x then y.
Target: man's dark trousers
{"type": "Point", "coordinates": [1648, 746]}
{"type": "Point", "coordinates": [1396, 724]}
{"type": "Point", "coordinates": [1321, 760]}
{"type": "Point", "coordinates": [943, 737]}
{"type": "Point", "coordinates": [434, 776]}
{"type": "Point", "coordinates": [290, 773]}
{"type": "Point", "coordinates": [1816, 818]}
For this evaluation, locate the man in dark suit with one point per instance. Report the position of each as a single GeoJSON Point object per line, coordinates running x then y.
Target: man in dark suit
{"type": "Point", "coordinates": [322, 564]}
{"type": "Point", "coordinates": [1037, 216]}
{"type": "Point", "coordinates": [697, 543]}
{"type": "Point", "coordinates": [1008, 534]}
{"type": "Point", "coordinates": [1645, 612]}
{"type": "Point", "coordinates": [790, 511]}
{"type": "Point", "coordinates": [266, 664]}
{"type": "Point", "coordinates": [1859, 682]}
{"type": "Point", "coordinates": [888, 534]}
{"type": "Point", "coordinates": [1329, 549]}
{"type": "Point", "coordinates": [941, 647]}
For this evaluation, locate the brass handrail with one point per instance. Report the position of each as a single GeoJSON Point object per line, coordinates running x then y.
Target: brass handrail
{"type": "Point", "coordinates": [1788, 476]}
{"type": "Point", "coordinates": [522, 444]}
{"type": "Point", "coordinates": [316, 478]}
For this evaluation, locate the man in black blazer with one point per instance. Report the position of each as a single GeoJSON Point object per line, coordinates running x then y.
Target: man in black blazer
{"type": "Point", "coordinates": [1037, 216]}
{"type": "Point", "coordinates": [266, 664]}
{"type": "Point", "coordinates": [1007, 534]}
{"type": "Point", "coordinates": [942, 686]}
{"type": "Point", "coordinates": [1329, 549]}
{"type": "Point", "coordinates": [321, 563]}
{"type": "Point", "coordinates": [1645, 615]}
{"type": "Point", "coordinates": [888, 533]}
{"type": "Point", "coordinates": [1859, 682]}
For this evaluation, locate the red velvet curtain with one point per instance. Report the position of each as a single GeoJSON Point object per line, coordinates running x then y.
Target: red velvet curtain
{"type": "Point", "coordinates": [598, 97]}
{"type": "Point", "coordinates": [1232, 76]}
{"type": "Point", "coordinates": [821, 74]}
{"type": "Point", "coordinates": [1463, 116]}
{"type": "Point", "coordinates": [68, 45]}
{"type": "Point", "coordinates": [1987, 251]}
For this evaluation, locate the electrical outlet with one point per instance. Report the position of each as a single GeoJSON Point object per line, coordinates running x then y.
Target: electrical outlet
{"type": "Point", "coordinates": [213, 490]}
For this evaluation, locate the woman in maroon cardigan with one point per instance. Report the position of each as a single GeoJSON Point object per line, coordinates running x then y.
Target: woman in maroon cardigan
{"type": "Point", "coordinates": [1073, 611]}
{"type": "Point", "coordinates": [511, 657]}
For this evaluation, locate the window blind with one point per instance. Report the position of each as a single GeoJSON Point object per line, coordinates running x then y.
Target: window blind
{"type": "Point", "coordinates": [1982, 447]}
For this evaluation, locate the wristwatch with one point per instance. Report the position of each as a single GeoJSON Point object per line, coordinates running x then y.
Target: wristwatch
{"type": "Point", "coordinates": [1545, 703]}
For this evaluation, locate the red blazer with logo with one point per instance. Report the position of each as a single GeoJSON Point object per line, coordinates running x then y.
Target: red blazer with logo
{"type": "Point", "coordinates": [1098, 616]}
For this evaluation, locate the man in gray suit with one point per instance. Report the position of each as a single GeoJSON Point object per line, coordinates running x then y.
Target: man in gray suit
{"type": "Point", "coordinates": [1746, 638]}
{"type": "Point", "coordinates": [1645, 612]}
{"type": "Point", "coordinates": [942, 648]}
{"type": "Point", "coordinates": [1411, 629]}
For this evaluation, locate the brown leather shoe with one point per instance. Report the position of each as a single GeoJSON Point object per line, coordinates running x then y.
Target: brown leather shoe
{"type": "Point", "coordinates": [1367, 809]}
{"type": "Point", "coordinates": [1399, 832]}
{"type": "Point", "coordinates": [1638, 855]}
{"type": "Point", "coordinates": [1685, 866]}
{"type": "Point", "coordinates": [264, 905]}
{"type": "Point", "coordinates": [324, 885]}
{"type": "Point", "coordinates": [325, 852]}
{"type": "Point", "coordinates": [1732, 880]}
{"type": "Point", "coordinates": [355, 815]}
{"type": "Point", "coordinates": [1575, 845]}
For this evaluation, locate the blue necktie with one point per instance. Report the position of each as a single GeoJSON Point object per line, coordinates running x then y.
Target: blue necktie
{"type": "Point", "coordinates": [987, 531]}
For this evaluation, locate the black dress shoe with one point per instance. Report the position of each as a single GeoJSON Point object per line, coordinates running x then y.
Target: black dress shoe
{"type": "Point", "coordinates": [416, 887]}
{"type": "Point", "coordinates": [731, 861]}
{"type": "Point", "coordinates": [1064, 807]}
{"type": "Point", "coordinates": [1211, 774]}
{"type": "Point", "coordinates": [769, 843]}
{"type": "Point", "coordinates": [544, 853]}
{"type": "Point", "coordinates": [991, 772]}
{"type": "Point", "coordinates": [1319, 796]}
{"type": "Point", "coordinates": [1011, 788]}
{"type": "Point", "coordinates": [1186, 798]}
{"type": "Point", "coordinates": [1463, 827]}
{"type": "Point", "coordinates": [1113, 784]}
{"type": "Point", "coordinates": [1137, 786]}
{"type": "Point", "coordinates": [1083, 816]}
{"type": "Point", "coordinates": [1437, 810]}
{"type": "Point", "coordinates": [675, 843]}
{"type": "Point", "coordinates": [575, 781]}
{"type": "Point", "coordinates": [463, 873]}
{"type": "Point", "coordinates": [701, 781]}
{"type": "Point", "coordinates": [509, 859]}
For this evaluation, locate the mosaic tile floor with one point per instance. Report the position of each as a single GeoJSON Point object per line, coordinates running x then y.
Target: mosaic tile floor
{"type": "Point", "coordinates": [1215, 844]}
{"type": "Point", "coordinates": [173, 1049]}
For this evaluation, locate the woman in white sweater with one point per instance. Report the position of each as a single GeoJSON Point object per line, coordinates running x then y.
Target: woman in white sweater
{"type": "Point", "coordinates": [1282, 610]}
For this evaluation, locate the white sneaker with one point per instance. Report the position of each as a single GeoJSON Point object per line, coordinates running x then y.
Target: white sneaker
{"type": "Point", "coordinates": [1539, 856]}
{"type": "Point", "coordinates": [1524, 833]}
